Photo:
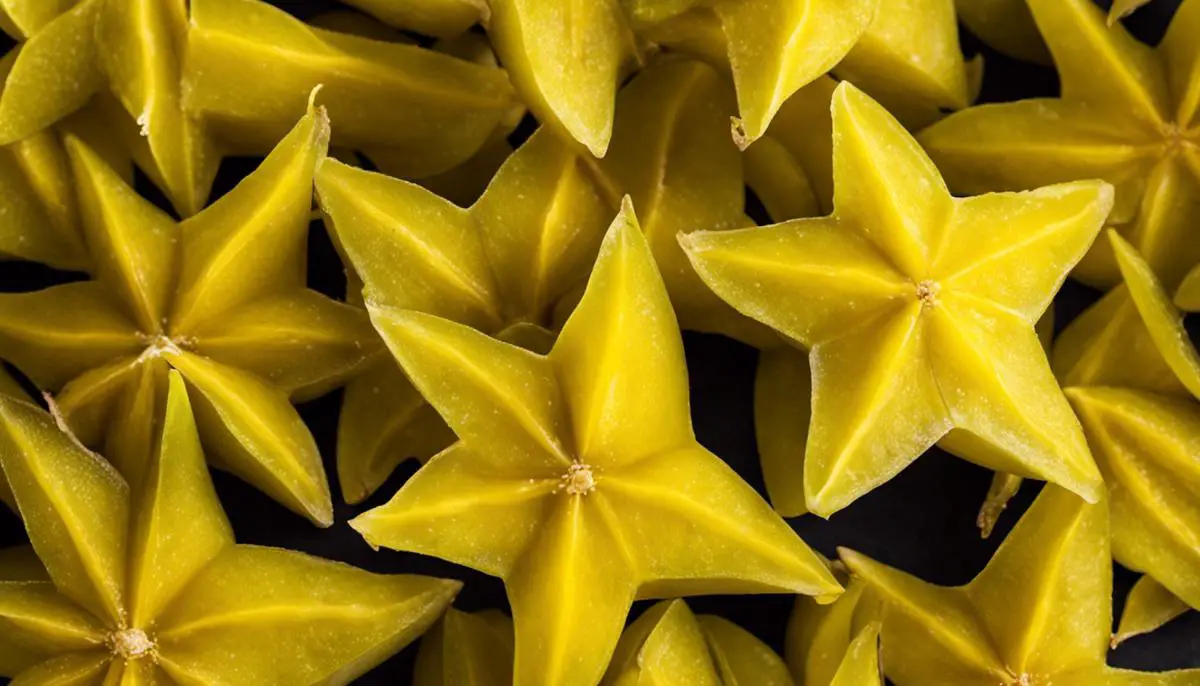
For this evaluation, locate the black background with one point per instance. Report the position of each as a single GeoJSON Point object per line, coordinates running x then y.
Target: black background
{"type": "Point", "coordinates": [923, 521]}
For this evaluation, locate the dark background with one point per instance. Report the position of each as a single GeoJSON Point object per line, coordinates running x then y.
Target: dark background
{"type": "Point", "coordinates": [923, 521]}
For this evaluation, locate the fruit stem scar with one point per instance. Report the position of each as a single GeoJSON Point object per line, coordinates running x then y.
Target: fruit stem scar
{"type": "Point", "coordinates": [130, 644]}
{"type": "Point", "coordinates": [578, 480]}
{"type": "Point", "coordinates": [927, 292]}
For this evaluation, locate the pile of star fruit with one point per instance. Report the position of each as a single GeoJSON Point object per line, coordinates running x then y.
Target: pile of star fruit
{"type": "Point", "coordinates": [513, 321]}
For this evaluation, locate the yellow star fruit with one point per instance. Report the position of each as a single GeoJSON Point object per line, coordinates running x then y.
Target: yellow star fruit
{"type": "Point", "coordinates": [220, 297]}
{"type": "Point", "coordinates": [1133, 386]}
{"type": "Point", "coordinates": [1039, 613]}
{"type": "Point", "coordinates": [1129, 114]}
{"type": "Point", "coordinates": [1005, 25]}
{"type": "Point", "coordinates": [143, 50]}
{"type": "Point", "coordinates": [514, 262]}
{"type": "Point", "coordinates": [918, 309]}
{"type": "Point", "coordinates": [465, 649]}
{"type": "Point", "coordinates": [148, 587]}
{"type": "Point", "coordinates": [571, 483]}
{"type": "Point", "coordinates": [429, 109]}
{"type": "Point", "coordinates": [669, 646]}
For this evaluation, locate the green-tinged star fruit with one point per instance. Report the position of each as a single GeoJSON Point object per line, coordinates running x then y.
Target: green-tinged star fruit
{"type": "Point", "coordinates": [431, 110]}
{"type": "Point", "coordinates": [147, 586]}
{"type": "Point", "coordinates": [220, 297]}
{"type": "Point", "coordinates": [143, 51]}
{"type": "Point", "coordinates": [1129, 114]}
{"type": "Point", "coordinates": [516, 259]}
{"type": "Point", "coordinates": [53, 71]}
{"type": "Point", "coordinates": [1039, 613]}
{"type": "Point", "coordinates": [918, 310]}
{"type": "Point", "coordinates": [441, 18]}
{"type": "Point", "coordinates": [573, 485]}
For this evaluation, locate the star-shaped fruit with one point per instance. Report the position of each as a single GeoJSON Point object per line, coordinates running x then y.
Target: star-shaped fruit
{"type": "Point", "coordinates": [568, 64]}
{"type": "Point", "coordinates": [9, 388]}
{"type": "Point", "coordinates": [429, 109]}
{"type": "Point", "coordinates": [1132, 386]}
{"type": "Point", "coordinates": [918, 310]}
{"type": "Point", "coordinates": [220, 297]}
{"type": "Point", "coordinates": [1130, 114]}
{"type": "Point", "coordinates": [1187, 296]}
{"type": "Point", "coordinates": [910, 61]}
{"type": "Point", "coordinates": [440, 18]}
{"type": "Point", "coordinates": [836, 644]}
{"type": "Point", "coordinates": [465, 649]}
{"type": "Point", "coordinates": [513, 263]}
{"type": "Point", "coordinates": [1148, 606]}
{"type": "Point", "coordinates": [670, 646]}
{"type": "Point", "coordinates": [574, 485]}
{"type": "Point", "coordinates": [53, 71]}
{"type": "Point", "coordinates": [142, 56]}
{"type": "Point", "coordinates": [1039, 613]}
{"type": "Point", "coordinates": [146, 586]}
{"type": "Point", "coordinates": [1005, 25]}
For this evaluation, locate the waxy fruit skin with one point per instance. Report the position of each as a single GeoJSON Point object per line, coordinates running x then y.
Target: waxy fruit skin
{"type": "Point", "coordinates": [143, 51]}
{"type": "Point", "coordinates": [836, 644]}
{"type": "Point", "coordinates": [1148, 606]}
{"type": "Point", "coordinates": [1039, 613]}
{"type": "Point", "coordinates": [466, 649]}
{"type": "Point", "coordinates": [1129, 114]}
{"type": "Point", "coordinates": [52, 72]}
{"type": "Point", "coordinates": [1005, 25]}
{"type": "Point", "coordinates": [918, 310]}
{"type": "Point", "coordinates": [1134, 389]}
{"type": "Point", "coordinates": [567, 57]}
{"type": "Point", "coordinates": [441, 18]}
{"type": "Point", "coordinates": [569, 482]}
{"type": "Point", "coordinates": [669, 646]}
{"type": "Point", "coordinates": [429, 110]}
{"type": "Point", "coordinates": [146, 586]}
{"type": "Point", "coordinates": [909, 60]}
{"type": "Point", "coordinates": [221, 297]}
{"type": "Point", "coordinates": [515, 262]}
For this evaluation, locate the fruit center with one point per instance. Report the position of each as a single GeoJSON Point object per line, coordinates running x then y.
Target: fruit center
{"type": "Point", "coordinates": [579, 480]}
{"type": "Point", "coordinates": [156, 346]}
{"type": "Point", "coordinates": [130, 644]}
{"type": "Point", "coordinates": [927, 292]}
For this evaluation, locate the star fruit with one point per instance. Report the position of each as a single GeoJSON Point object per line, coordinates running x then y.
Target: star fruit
{"type": "Point", "coordinates": [571, 483]}
{"type": "Point", "coordinates": [1129, 115]}
{"type": "Point", "coordinates": [1135, 400]}
{"type": "Point", "coordinates": [1005, 25]}
{"type": "Point", "coordinates": [513, 263]}
{"type": "Point", "coordinates": [909, 60]}
{"type": "Point", "coordinates": [220, 297]}
{"type": "Point", "coordinates": [670, 646]}
{"type": "Point", "coordinates": [836, 644]}
{"type": "Point", "coordinates": [465, 649]}
{"type": "Point", "coordinates": [918, 310]}
{"type": "Point", "coordinates": [1039, 613]}
{"type": "Point", "coordinates": [567, 65]}
{"type": "Point", "coordinates": [430, 110]}
{"type": "Point", "coordinates": [440, 18]}
{"type": "Point", "coordinates": [148, 586]}
{"type": "Point", "coordinates": [8, 388]}
{"type": "Point", "coordinates": [53, 71]}
{"type": "Point", "coordinates": [143, 45]}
